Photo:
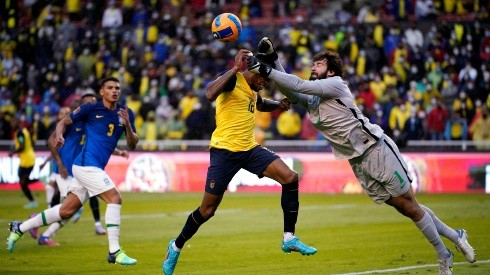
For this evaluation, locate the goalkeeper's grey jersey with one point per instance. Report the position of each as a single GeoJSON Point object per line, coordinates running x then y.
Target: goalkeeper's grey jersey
{"type": "Point", "coordinates": [333, 112]}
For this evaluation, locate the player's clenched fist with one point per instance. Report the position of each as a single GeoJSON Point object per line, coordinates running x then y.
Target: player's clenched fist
{"type": "Point", "coordinates": [57, 141]}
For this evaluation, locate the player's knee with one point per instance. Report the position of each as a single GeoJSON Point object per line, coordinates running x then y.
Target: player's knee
{"type": "Point", "coordinates": [290, 176]}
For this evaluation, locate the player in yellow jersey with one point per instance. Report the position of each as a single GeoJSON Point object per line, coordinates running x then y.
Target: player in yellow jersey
{"type": "Point", "coordinates": [233, 147]}
{"type": "Point", "coordinates": [24, 147]}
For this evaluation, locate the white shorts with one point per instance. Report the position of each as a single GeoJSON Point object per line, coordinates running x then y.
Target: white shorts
{"type": "Point", "coordinates": [63, 185]}
{"type": "Point", "coordinates": [89, 181]}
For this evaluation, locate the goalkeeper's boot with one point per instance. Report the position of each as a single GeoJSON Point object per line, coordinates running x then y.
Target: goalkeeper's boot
{"type": "Point", "coordinates": [14, 235]}
{"type": "Point", "coordinates": [297, 246]}
{"type": "Point", "coordinates": [33, 231]}
{"type": "Point", "coordinates": [464, 247]}
{"type": "Point", "coordinates": [446, 266]}
{"type": "Point", "coordinates": [120, 257]}
{"type": "Point", "coordinates": [170, 261]}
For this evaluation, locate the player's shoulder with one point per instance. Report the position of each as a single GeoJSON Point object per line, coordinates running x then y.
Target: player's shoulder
{"type": "Point", "coordinates": [231, 83]}
{"type": "Point", "coordinates": [87, 107]}
{"type": "Point", "coordinates": [337, 82]}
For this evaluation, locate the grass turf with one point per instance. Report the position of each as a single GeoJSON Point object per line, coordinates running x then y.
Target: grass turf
{"type": "Point", "coordinates": [353, 235]}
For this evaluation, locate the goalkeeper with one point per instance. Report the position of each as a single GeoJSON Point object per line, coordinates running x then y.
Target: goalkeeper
{"type": "Point", "coordinates": [373, 156]}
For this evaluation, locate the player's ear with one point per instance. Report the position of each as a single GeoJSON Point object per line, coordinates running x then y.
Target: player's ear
{"type": "Point", "coordinates": [330, 73]}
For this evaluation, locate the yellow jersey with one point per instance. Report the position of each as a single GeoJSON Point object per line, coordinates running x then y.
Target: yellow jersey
{"type": "Point", "coordinates": [27, 156]}
{"type": "Point", "coordinates": [235, 119]}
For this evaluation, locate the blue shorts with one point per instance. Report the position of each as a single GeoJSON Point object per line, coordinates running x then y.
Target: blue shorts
{"type": "Point", "coordinates": [225, 164]}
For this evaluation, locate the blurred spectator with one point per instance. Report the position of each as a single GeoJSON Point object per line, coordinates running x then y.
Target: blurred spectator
{"type": "Point", "coordinates": [149, 132]}
{"type": "Point", "coordinates": [38, 129]}
{"type": "Point", "coordinates": [366, 97]}
{"type": "Point", "coordinates": [398, 9]}
{"type": "Point", "coordinates": [456, 127]}
{"type": "Point", "coordinates": [368, 14]}
{"type": "Point", "coordinates": [414, 129]}
{"type": "Point", "coordinates": [196, 123]}
{"type": "Point", "coordinates": [250, 9]}
{"type": "Point", "coordinates": [5, 127]}
{"type": "Point", "coordinates": [174, 128]}
{"type": "Point", "coordinates": [187, 104]}
{"type": "Point", "coordinates": [379, 118]}
{"type": "Point", "coordinates": [73, 8]}
{"type": "Point", "coordinates": [134, 102]}
{"type": "Point", "coordinates": [86, 61]}
{"type": "Point", "coordinates": [249, 33]}
{"type": "Point", "coordinates": [413, 36]}
{"type": "Point", "coordinates": [436, 121]}
{"type": "Point", "coordinates": [464, 106]}
{"type": "Point", "coordinates": [424, 9]}
{"type": "Point", "coordinates": [289, 124]}
{"type": "Point", "coordinates": [399, 115]}
{"type": "Point", "coordinates": [112, 17]}
{"type": "Point", "coordinates": [480, 130]}
{"type": "Point", "coordinates": [467, 74]}
{"type": "Point", "coordinates": [378, 87]}
{"type": "Point", "coordinates": [283, 8]}
{"type": "Point", "coordinates": [48, 105]}
{"type": "Point", "coordinates": [164, 110]}
{"type": "Point", "coordinates": [152, 32]}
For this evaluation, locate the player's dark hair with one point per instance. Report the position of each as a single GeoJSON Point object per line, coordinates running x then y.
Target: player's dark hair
{"type": "Point", "coordinates": [334, 62]}
{"type": "Point", "coordinates": [110, 78]}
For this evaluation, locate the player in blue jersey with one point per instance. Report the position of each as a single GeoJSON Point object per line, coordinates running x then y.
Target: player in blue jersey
{"type": "Point", "coordinates": [63, 161]}
{"type": "Point", "coordinates": [105, 122]}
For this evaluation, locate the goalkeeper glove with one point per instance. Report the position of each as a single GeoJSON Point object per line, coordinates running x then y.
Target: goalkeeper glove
{"type": "Point", "coordinates": [256, 67]}
{"type": "Point", "coordinates": [267, 53]}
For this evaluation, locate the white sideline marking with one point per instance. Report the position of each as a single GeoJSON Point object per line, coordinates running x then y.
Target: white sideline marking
{"type": "Point", "coordinates": [408, 268]}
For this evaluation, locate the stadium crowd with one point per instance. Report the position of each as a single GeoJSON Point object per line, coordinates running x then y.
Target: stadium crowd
{"type": "Point", "coordinates": [418, 68]}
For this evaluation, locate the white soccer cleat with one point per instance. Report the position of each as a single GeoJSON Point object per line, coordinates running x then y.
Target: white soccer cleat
{"type": "Point", "coordinates": [464, 247]}
{"type": "Point", "coordinates": [446, 266]}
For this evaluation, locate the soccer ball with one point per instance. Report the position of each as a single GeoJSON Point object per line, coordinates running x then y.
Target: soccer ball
{"type": "Point", "coordinates": [226, 27]}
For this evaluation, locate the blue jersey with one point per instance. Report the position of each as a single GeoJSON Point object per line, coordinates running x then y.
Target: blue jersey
{"type": "Point", "coordinates": [103, 128]}
{"type": "Point", "coordinates": [74, 139]}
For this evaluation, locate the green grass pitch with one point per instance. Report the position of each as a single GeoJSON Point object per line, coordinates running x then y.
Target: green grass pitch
{"type": "Point", "coordinates": [353, 235]}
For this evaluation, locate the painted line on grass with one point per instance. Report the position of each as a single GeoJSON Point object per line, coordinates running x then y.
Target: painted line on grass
{"type": "Point", "coordinates": [408, 268]}
{"type": "Point", "coordinates": [219, 211]}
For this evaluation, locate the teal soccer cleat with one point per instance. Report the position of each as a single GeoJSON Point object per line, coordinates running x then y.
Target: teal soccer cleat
{"type": "Point", "coordinates": [170, 261]}
{"type": "Point", "coordinates": [14, 235]}
{"type": "Point", "coordinates": [296, 245]}
{"type": "Point", "coordinates": [120, 257]}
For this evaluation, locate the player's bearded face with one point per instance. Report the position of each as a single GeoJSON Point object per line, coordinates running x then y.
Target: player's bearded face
{"type": "Point", "coordinates": [315, 76]}
{"type": "Point", "coordinates": [319, 70]}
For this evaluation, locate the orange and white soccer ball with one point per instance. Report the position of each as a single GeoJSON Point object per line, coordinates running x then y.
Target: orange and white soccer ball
{"type": "Point", "coordinates": [226, 27]}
